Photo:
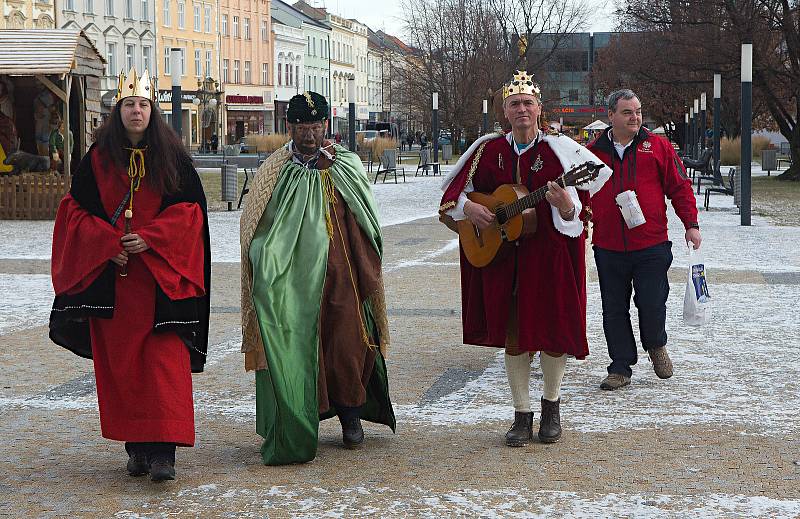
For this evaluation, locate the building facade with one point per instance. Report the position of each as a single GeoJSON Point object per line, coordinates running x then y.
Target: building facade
{"type": "Point", "coordinates": [122, 30]}
{"type": "Point", "coordinates": [290, 49]}
{"type": "Point", "coordinates": [27, 14]}
{"type": "Point", "coordinates": [191, 27]}
{"type": "Point", "coordinates": [375, 58]}
{"type": "Point", "coordinates": [247, 65]}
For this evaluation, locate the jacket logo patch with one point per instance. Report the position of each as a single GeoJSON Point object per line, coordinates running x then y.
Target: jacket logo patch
{"type": "Point", "coordinates": [646, 147]}
{"type": "Point", "coordinates": [538, 164]}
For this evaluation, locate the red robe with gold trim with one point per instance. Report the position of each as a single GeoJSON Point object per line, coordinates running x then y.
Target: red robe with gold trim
{"type": "Point", "coordinates": [144, 385]}
{"type": "Point", "coordinates": [549, 267]}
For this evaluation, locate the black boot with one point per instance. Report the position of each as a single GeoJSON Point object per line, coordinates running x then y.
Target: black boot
{"type": "Point", "coordinates": [521, 433]}
{"type": "Point", "coordinates": [162, 461]}
{"type": "Point", "coordinates": [137, 459]}
{"type": "Point", "coordinates": [550, 423]}
{"type": "Point", "coordinates": [352, 432]}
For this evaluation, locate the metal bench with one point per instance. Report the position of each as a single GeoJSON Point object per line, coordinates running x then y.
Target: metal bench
{"type": "Point", "coordinates": [725, 190]}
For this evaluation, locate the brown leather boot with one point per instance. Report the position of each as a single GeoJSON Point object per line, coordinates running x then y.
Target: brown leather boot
{"type": "Point", "coordinates": [550, 422]}
{"type": "Point", "coordinates": [521, 433]}
{"type": "Point", "coordinates": [662, 364]}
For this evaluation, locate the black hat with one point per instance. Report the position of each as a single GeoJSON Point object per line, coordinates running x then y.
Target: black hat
{"type": "Point", "coordinates": [307, 107]}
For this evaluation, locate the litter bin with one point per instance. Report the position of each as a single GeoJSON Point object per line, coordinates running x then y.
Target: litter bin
{"type": "Point", "coordinates": [230, 183]}
{"type": "Point", "coordinates": [447, 153]}
{"type": "Point", "coordinates": [769, 160]}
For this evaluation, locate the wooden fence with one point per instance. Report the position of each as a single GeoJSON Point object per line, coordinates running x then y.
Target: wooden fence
{"type": "Point", "coordinates": [32, 196]}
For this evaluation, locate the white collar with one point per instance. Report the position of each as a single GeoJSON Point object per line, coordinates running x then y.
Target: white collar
{"type": "Point", "coordinates": [513, 143]}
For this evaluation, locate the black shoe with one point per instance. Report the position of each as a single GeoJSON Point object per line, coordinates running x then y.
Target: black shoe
{"type": "Point", "coordinates": [162, 470]}
{"type": "Point", "coordinates": [162, 461]}
{"type": "Point", "coordinates": [521, 433]}
{"type": "Point", "coordinates": [352, 432]}
{"type": "Point", "coordinates": [137, 459]}
{"type": "Point", "coordinates": [550, 422]}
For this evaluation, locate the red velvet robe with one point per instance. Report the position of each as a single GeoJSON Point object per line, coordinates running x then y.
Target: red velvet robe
{"type": "Point", "coordinates": [144, 385]}
{"type": "Point", "coordinates": [550, 266]}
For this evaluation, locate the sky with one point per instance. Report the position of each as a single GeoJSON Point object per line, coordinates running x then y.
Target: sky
{"type": "Point", "coordinates": [387, 15]}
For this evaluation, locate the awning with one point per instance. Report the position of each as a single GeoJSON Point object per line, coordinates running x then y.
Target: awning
{"type": "Point", "coordinates": [31, 52]}
{"type": "Point", "coordinates": [596, 125]}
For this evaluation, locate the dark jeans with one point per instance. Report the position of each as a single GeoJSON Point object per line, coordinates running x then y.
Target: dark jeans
{"type": "Point", "coordinates": [645, 273]}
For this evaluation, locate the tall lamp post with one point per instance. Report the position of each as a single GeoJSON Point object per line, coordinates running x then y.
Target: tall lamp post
{"type": "Point", "coordinates": [691, 132]}
{"type": "Point", "coordinates": [747, 129]}
{"type": "Point", "coordinates": [351, 112]}
{"type": "Point", "coordinates": [717, 108]}
{"type": "Point", "coordinates": [485, 116]}
{"type": "Point", "coordinates": [435, 136]}
{"type": "Point", "coordinates": [703, 121]}
{"type": "Point", "coordinates": [696, 135]}
{"type": "Point", "coordinates": [686, 134]}
{"type": "Point", "coordinates": [207, 93]}
{"type": "Point", "coordinates": [175, 67]}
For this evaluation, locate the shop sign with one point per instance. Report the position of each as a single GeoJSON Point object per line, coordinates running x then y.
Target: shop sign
{"type": "Point", "coordinates": [187, 96]}
{"type": "Point", "coordinates": [578, 109]}
{"type": "Point", "coordinates": [244, 100]}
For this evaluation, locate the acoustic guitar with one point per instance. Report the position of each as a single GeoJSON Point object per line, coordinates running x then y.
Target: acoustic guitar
{"type": "Point", "coordinates": [507, 203]}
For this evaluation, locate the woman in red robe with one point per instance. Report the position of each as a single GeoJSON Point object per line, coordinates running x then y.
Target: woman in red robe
{"type": "Point", "coordinates": [131, 272]}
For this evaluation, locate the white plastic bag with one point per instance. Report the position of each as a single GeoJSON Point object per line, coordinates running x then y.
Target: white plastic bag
{"type": "Point", "coordinates": [696, 301]}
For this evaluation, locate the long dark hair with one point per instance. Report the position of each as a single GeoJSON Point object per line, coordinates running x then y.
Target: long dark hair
{"type": "Point", "coordinates": [165, 156]}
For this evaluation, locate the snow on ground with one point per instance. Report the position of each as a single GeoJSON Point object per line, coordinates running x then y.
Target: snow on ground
{"type": "Point", "coordinates": [464, 502]}
{"type": "Point", "coordinates": [26, 301]}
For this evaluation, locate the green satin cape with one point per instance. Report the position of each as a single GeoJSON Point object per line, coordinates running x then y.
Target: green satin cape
{"type": "Point", "coordinates": [289, 254]}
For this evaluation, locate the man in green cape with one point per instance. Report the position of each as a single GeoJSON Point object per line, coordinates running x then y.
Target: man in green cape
{"type": "Point", "coordinates": [313, 310]}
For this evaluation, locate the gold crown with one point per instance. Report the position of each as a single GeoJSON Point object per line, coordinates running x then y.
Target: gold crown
{"type": "Point", "coordinates": [522, 83]}
{"type": "Point", "coordinates": [133, 85]}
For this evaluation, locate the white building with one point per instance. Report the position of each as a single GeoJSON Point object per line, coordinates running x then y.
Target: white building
{"type": "Point", "coordinates": [289, 46]}
{"type": "Point", "coordinates": [123, 31]}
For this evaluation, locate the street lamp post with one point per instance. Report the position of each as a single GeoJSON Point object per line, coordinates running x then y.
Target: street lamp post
{"type": "Point", "coordinates": [175, 66]}
{"type": "Point", "coordinates": [485, 116]}
{"type": "Point", "coordinates": [435, 136]}
{"type": "Point", "coordinates": [691, 132]}
{"type": "Point", "coordinates": [717, 108]}
{"type": "Point", "coordinates": [696, 135]}
{"type": "Point", "coordinates": [703, 121]}
{"type": "Point", "coordinates": [747, 129]}
{"type": "Point", "coordinates": [686, 134]}
{"type": "Point", "coordinates": [351, 112]}
{"type": "Point", "coordinates": [207, 93]}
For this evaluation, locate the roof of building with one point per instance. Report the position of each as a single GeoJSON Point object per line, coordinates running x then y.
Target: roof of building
{"type": "Point", "coordinates": [41, 51]}
{"type": "Point", "coordinates": [291, 15]}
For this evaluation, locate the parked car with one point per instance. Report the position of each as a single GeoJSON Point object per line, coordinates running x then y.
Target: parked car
{"type": "Point", "coordinates": [244, 147]}
{"type": "Point", "coordinates": [446, 138]}
{"type": "Point", "coordinates": [371, 135]}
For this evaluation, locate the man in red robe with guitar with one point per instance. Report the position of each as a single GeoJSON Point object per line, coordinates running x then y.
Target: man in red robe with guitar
{"type": "Point", "coordinates": [531, 296]}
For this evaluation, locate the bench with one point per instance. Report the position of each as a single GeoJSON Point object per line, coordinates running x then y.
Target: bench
{"type": "Point", "coordinates": [366, 158]}
{"type": "Point", "coordinates": [388, 164]}
{"type": "Point", "coordinates": [725, 190]}
{"type": "Point", "coordinates": [248, 172]}
{"type": "Point", "coordinates": [705, 167]}
{"type": "Point", "coordinates": [425, 163]}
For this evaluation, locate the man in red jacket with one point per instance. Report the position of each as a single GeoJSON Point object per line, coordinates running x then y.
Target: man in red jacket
{"type": "Point", "coordinates": [631, 247]}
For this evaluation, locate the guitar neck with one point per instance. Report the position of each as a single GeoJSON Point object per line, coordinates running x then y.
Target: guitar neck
{"type": "Point", "coordinates": [528, 201]}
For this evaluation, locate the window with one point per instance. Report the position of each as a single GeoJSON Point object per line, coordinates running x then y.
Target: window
{"type": "Point", "coordinates": [196, 10]}
{"type": "Point", "coordinates": [145, 11]}
{"type": "Point", "coordinates": [280, 78]}
{"type": "Point", "coordinates": [247, 75]}
{"type": "Point", "coordinates": [69, 5]}
{"type": "Point", "coordinates": [224, 24]}
{"type": "Point", "coordinates": [90, 6]}
{"type": "Point", "coordinates": [264, 73]}
{"type": "Point", "coordinates": [129, 59]}
{"type": "Point", "coordinates": [315, 83]}
{"type": "Point", "coordinates": [235, 26]}
{"type": "Point", "coordinates": [198, 71]}
{"type": "Point", "coordinates": [109, 7]}
{"type": "Point", "coordinates": [128, 8]}
{"type": "Point", "coordinates": [246, 28]}
{"type": "Point", "coordinates": [297, 75]}
{"type": "Point", "coordinates": [111, 59]}
{"type": "Point", "coordinates": [573, 95]}
{"type": "Point", "coordinates": [167, 61]}
{"type": "Point", "coordinates": [146, 53]}
{"type": "Point", "coordinates": [183, 62]}
{"type": "Point", "coordinates": [181, 15]}
{"type": "Point", "coordinates": [236, 78]}
{"type": "Point", "coordinates": [209, 56]}
{"type": "Point", "coordinates": [314, 46]}
{"type": "Point", "coordinates": [165, 13]}
{"type": "Point", "coordinates": [289, 71]}
{"type": "Point", "coordinates": [207, 18]}
{"type": "Point", "coordinates": [225, 63]}
{"type": "Point", "coordinates": [264, 31]}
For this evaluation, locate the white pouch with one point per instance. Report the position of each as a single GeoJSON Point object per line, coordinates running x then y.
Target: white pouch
{"type": "Point", "coordinates": [696, 301]}
{"type": "Point", "coordinates": [629, 206]}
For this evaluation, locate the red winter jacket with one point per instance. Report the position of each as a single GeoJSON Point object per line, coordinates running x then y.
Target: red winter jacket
{"type": "Point", "coordinates": [650, 167]}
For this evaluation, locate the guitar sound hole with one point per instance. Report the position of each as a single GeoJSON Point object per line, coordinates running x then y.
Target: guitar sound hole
{"type": "Point", "coordinates": [501, 215]}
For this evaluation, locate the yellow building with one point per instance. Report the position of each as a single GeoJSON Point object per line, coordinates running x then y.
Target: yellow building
{"type": "Point", "coordinates": [191, 26]}
{"type": "Point", "coordinates": [27, 14]}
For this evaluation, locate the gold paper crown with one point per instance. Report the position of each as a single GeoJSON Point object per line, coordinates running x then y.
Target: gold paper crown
{"type": "Point", "coordinates": [522, 83]}
{"type": "Point", "coordinates": [133, 85]}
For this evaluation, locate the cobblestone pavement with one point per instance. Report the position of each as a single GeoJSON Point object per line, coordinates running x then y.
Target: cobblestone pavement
{"type": "Point", "coordinates": [719, 439]}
